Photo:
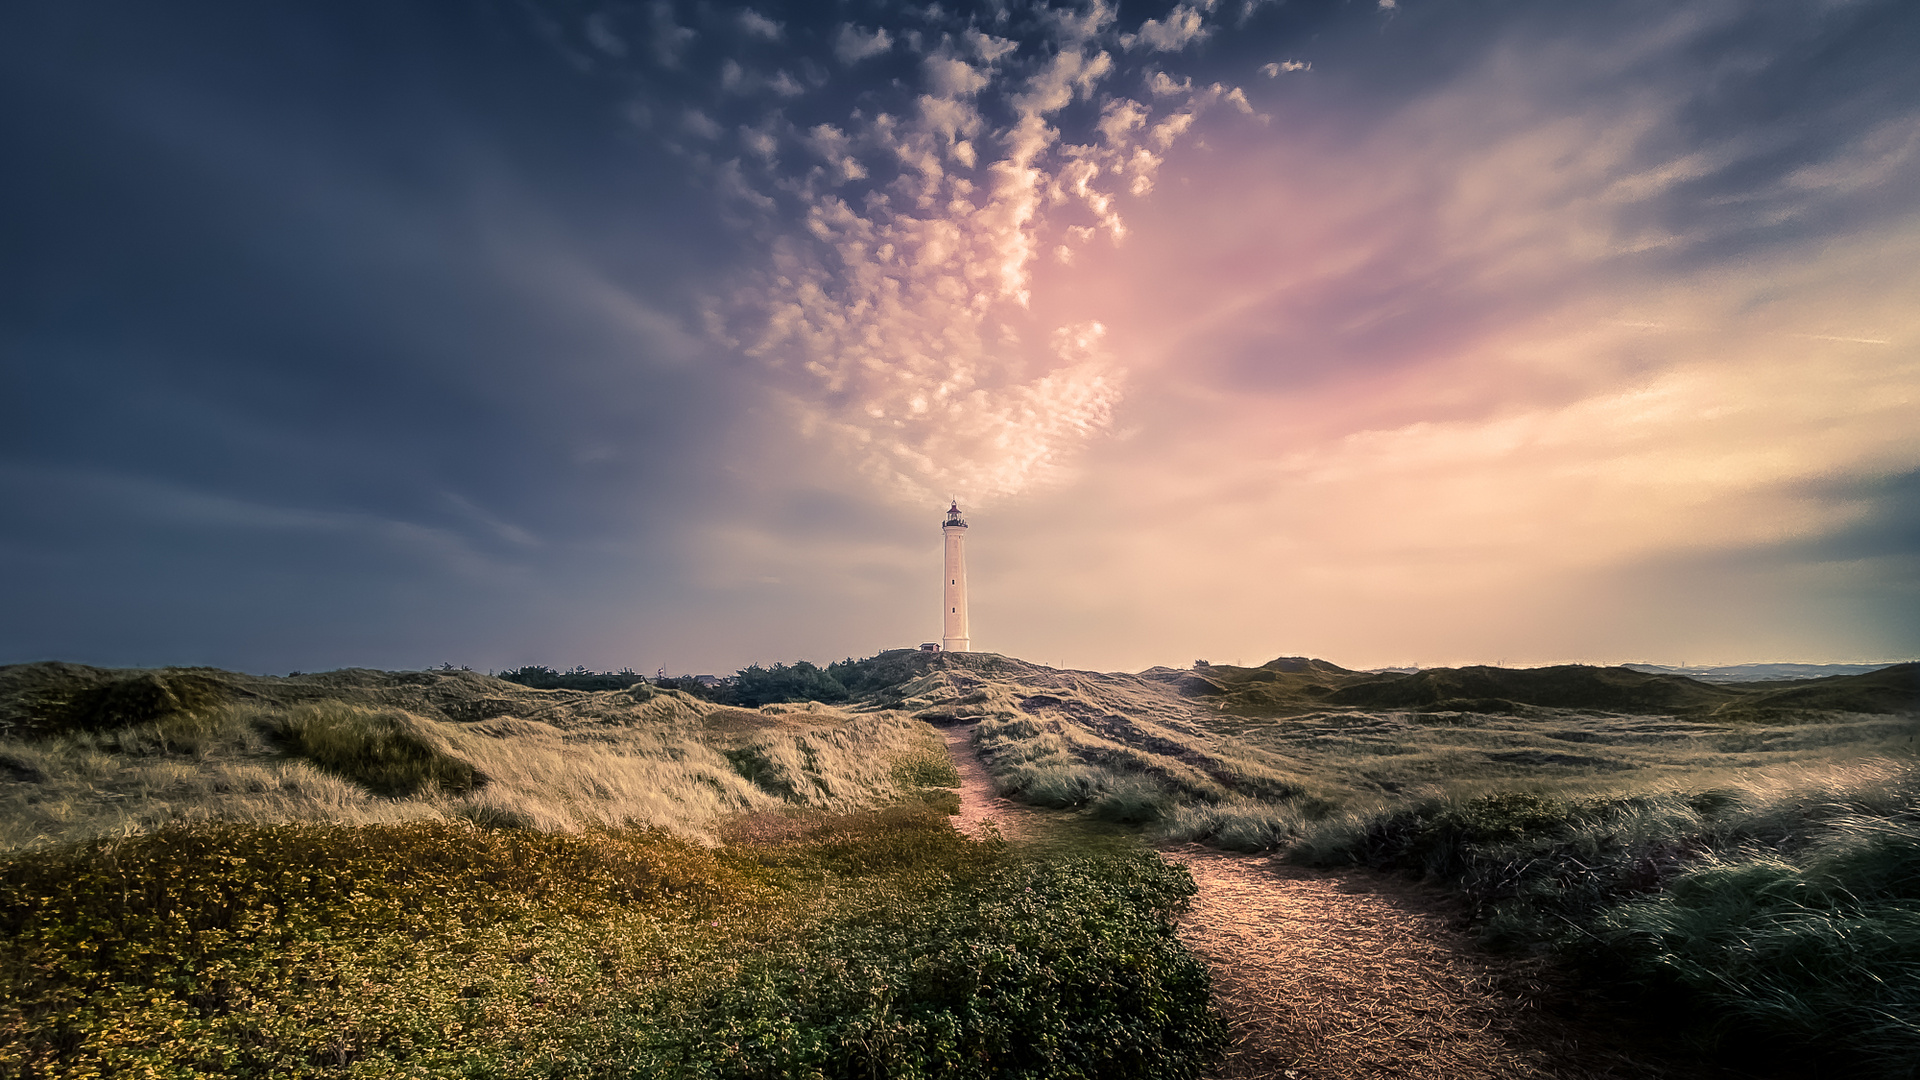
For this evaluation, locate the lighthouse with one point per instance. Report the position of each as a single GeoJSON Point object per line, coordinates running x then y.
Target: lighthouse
{"type": "Point", "coordinates": [953, 613]}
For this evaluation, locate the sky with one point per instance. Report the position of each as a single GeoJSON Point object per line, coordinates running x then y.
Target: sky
{"type": "Point", "coordinates": [659, 334]}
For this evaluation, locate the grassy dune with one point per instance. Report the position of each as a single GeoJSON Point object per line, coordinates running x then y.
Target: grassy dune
{"type": "Point", "coordinates": [1744, 856]}
{"type": "Point", "coordinates": [440, 874]}
{"type": "Point", "coordinates": [87, 752]}
{"type": "Point", "coordinates": [434, 873]}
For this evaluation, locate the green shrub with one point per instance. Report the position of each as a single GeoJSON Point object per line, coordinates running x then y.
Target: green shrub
{"type": "Point", "coordinates": [1442, 838]}
{"type": "Point", "coordinates": [762, 765]}
{"type": "Point", "coordinates": [930, 767]}
{"type": "Point", "coordinates": [1060, 786]}
{"type": "Point", "coordinates": [541, 677]}
{"type": "Point", "coordinates": [881, 943]}
{"type": "Point", "coordinates": [51, 699]}
{"type": "Point", "coordinates": [1063, 968]}
{"type": "Point", "coordinates": [755, 685]}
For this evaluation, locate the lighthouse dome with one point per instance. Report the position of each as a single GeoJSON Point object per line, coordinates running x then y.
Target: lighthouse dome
{"type": "Point", "coordinates": [953, 518]}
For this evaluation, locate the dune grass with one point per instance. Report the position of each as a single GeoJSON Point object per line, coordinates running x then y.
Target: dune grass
{"type": "Point", "coordinates": [433, 874]}
{"type": "Point", "coordinates": [879, 943]}
{"type": "Point", "coordinates": [388, 751]}
{"type": "Point", "coordinates": [383, 749]}
{"type": "Point", "coordinates": [1779, 952]}
{"type": "Point", "coordinates": [1779, 912]}
{"type": "Point", "coordinates": [1757, 878]}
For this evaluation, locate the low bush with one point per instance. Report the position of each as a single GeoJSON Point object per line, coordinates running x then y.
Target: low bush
{"type": "Point", "coordinates": [51, 699]}
{"type": "Point", "coordinates": [930, 767]}
{"type": "Point", "coordinates": [873, 944]}
{"type": "Point", "coordinates": [541, 677]}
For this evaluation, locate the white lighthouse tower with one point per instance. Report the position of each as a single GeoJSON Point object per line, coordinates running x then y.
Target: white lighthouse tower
{"type": "Point", "coordinates": [954, 637]}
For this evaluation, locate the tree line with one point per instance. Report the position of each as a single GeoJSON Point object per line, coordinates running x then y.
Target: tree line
{"type": "Point", "coordinates": [749, 687]}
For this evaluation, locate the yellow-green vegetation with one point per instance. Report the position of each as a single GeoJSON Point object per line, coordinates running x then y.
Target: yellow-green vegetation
{"type": "Point", "coordinates": [880, 943]}
{"type": "Point", "coordinates": [448, 874]}
{"type": "Point", "coordinates": [1744, 855]}
{"type": "Point", "coordinates": [440, 874]}
{"type": "Point", "coordinates": [86, 752]}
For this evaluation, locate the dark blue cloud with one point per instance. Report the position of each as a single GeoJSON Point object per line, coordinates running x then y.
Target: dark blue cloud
{"type": "Point", "coordinates": [1855, 585]}
{"type": "Point", "coordinates": [311, 314]}
{"type": "Point", "coordinates": [1885, 525]}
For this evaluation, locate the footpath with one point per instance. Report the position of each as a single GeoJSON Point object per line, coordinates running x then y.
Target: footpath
{"type": "Point", "coordinates": [1353, 975]}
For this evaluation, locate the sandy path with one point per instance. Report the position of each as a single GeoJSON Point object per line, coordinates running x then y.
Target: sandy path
{"type": "Point", "coordinates": [1348, 975]}
{"type": "Point", "coordinates": [978, 803]}
{"type": "Point", "coordinates": [1325, 975]}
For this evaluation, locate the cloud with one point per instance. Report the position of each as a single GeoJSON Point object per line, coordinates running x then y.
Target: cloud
{"type": "Point", "coordinates": [735, 79]}
{"type": "Point", "coordinates": [670, 39]}
{"type": "Point", "coordinates": [601, 35]}
{"type": "Point", "coordinates": [1273, 70]}
{"type": "Point", "coordinates": [896, 317]}
{"type": "Point", "coordinates": [1119, 117]}
{"type": "Point", "coordinates": [1181, 27]}
{"type": "Point", "coordinates": [1513, 344]}
{"type": "Point", "coordinates": [1525, 327]}
{"type": "Point", "coordinates": [854, 43]}
{"type": "Point", "coordinates": [833, 146]}
{"type": "Point", "coordinates": [699, 123]}
{"type": "Point", "coordinates": [760, 142]}
{"type": "Point", "coordinates": [987, 48]}
{"type": "Point", "coordinates": [755, 25]}
{"type": "Point", "coordinates": [948, 78]}
{"type": "Point", "coordinates": [154, 504]}
{"type": "Point", "coordinates": [733, 184]}
{"type": "Point", "coordinates": [1160, 84]}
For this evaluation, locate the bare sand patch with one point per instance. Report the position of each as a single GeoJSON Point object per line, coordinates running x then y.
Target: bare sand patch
{"type": "Point", "coordinates": [1325, 975]}
{"type": "Point", "coordinates": [979, 805]}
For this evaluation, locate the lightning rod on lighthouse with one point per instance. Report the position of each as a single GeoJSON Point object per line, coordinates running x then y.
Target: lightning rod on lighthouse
{"type": "Point", "coordinates": [954, 636]}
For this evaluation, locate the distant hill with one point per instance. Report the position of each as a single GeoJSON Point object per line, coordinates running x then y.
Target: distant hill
{"type": "Point", "coordinates": [1292, 685]}
{"type": "Point", "coordinates": [1566, 686]}
{"type": "Point", "coordinates": [1741, 673]}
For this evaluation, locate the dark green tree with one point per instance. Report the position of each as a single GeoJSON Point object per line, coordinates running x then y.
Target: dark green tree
{"type": "Point", "coordinates": [803, 681]}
